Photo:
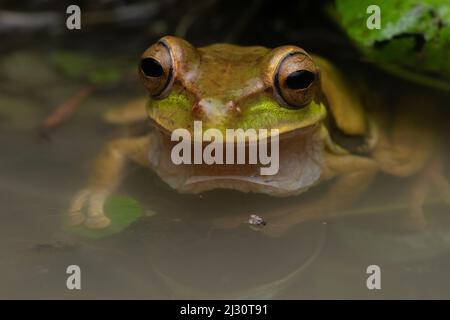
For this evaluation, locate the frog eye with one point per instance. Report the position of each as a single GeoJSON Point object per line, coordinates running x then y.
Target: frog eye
{"type": "Point", "coordinates": [156, 69]}
{"type": "Point", "coordinates": [294, 80]}
{"type": "Point", "coordinates": [151, 68]}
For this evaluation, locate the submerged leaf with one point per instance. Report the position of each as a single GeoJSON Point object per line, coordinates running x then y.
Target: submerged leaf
{"type": "Point", "coordinates": [122, 211]}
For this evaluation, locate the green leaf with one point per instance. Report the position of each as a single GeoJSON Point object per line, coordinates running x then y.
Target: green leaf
{"type": "Point", "coordinates": [413, 42]}
{"type": "Point", "coordinates": [122, 211]}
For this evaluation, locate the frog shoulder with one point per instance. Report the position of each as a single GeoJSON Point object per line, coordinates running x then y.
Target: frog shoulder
{"type": "Point", "coordinates": [132, 111]}
{"type": "Point", "coordinates": [342, 101]}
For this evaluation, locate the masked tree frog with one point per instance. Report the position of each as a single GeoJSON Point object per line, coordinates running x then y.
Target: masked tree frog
{"type": "Point", "coordinates": [326, 131]}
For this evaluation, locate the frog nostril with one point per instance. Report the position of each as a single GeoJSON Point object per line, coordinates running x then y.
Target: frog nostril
{"type": "Point", "coordinates": [211, 109]}
{"type": "Point", "coordinates": [233, 107]}
{"type": "Point", "coordinates": [197, 109]}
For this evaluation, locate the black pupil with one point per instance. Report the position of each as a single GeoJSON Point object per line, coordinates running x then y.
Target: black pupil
{"type": "Point", "coordinates": [151, 68]}
{"type": "Point", "coordinates": [299, 79]}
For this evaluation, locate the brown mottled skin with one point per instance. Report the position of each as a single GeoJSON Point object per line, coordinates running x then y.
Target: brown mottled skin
{"type": "Point", "coordinates": [227, 86]}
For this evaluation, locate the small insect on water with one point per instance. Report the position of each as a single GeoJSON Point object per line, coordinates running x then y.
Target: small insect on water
{"type": "Point", "coordinates": [256, 221]}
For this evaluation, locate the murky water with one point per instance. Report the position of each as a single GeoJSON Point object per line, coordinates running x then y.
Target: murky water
{"type": "Point", "coordinates": [170, 252]}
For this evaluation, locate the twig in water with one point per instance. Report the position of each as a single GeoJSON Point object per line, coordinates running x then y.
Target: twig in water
{"type": "Point", "coordinates": [64, 112]}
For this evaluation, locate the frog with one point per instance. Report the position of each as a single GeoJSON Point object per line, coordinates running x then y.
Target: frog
{"type": "Point", "coordinates": [326, 132]}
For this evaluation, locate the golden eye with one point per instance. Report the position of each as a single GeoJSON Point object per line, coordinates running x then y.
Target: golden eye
{"type": "Point", "coordinates": [294, 80]}
{"type": "Point", "coordinates": [156, 69]}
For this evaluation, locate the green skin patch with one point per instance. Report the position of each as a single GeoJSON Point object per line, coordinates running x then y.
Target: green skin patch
{"type": "Point", "coordinates": [175, 111]}
{"type": "Point", "coordinates": [265, 113]}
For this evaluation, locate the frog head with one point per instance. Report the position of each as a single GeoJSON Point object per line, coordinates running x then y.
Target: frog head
{"type": "Point", "coordinates": [229, 87]}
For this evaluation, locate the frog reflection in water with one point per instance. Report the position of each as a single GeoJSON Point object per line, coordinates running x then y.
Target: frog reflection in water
{"type": "Point", "coordinates": [325, 132]}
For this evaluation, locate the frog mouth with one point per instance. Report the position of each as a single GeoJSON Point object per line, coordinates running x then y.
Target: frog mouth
{"type": "Point", "coordinates": [300, 159]}
{"type": "Point", "coordinates": [294, 132]}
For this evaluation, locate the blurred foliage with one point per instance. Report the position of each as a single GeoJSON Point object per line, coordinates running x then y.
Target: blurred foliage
{"type": "Point", "coordinates": [414, 39]}
{"type": "Point", "coordinates": [82, 66]}
{"type": "Point", "coordinates": [122, 211]}
{"type": "Point", "coordinates": [16, 66]}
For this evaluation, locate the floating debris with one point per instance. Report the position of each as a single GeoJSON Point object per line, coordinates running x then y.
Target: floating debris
{"type": "Point", "coordinates": [256, 221]}
{"type": "Point", "coordinates": [53, 246]}
{"type": "Point", "coordinates": [149, 213]}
